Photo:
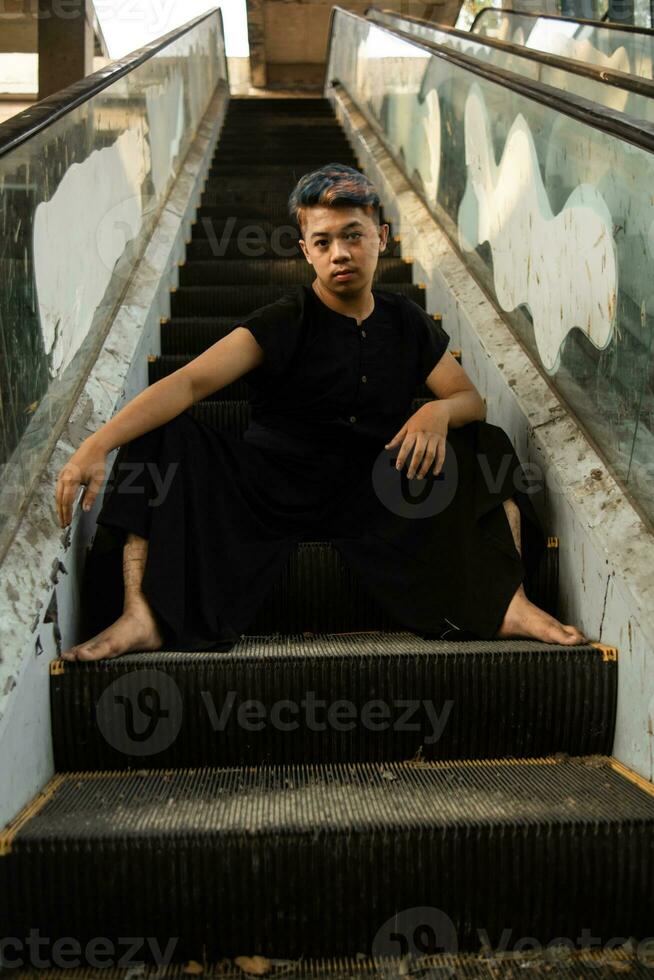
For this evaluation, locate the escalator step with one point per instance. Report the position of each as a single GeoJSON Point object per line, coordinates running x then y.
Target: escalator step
{"type": "Point", "coordinates": [306, 161]}
{"type": "Point", "coordinates": [238, 300]}
{"type": "Point", "coordinates": [256, 183]}
{"type": "Point", "coordinates": [292, 137]}
{"type": "Point", "coordinates": [191, 336]}
{"type": "Point", "coordinates": [567, 964]}
{"type": "Point", "coordinates": [273, 271]}
{"type": "Point", "coordinates": [498, 683]}
{"type": "Point", "coordinates": [232, 225]}
{"type": "Point", "coordinates": [299, 861]}
{"type": "Point", "coordinates": [277, 212]}
{"type": "Point", "coordinates": [218, 193]}
{"type": "Point", "coordinates": [255, 246]}
{"type": "Point", "coordinates": [290, 170]}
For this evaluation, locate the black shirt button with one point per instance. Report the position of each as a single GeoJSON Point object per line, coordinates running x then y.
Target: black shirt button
{"type": "Point", "coordinates": [353, 418]}
{"type": "Point", "coordinates": [363, 377]}
{"type": "Point", "coordinates": [363, 333]}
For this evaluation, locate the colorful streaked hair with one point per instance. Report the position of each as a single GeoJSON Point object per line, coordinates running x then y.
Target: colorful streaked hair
{"type": "Point", "coordinates": [333, 185]}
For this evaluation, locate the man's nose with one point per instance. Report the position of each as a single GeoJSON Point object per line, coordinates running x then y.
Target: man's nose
{"type": "Point", "coordinates": [340, 250]}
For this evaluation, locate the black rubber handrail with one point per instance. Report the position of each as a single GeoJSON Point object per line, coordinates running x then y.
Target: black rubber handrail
{"type": "Point", "coordinates": [605, 76]}
{"type": "Point", "coordinates": [605, 24]}
{"type": "Point", "coordinates": [637, 132]}
{"type": "Point", "coordinates": [21, 127]}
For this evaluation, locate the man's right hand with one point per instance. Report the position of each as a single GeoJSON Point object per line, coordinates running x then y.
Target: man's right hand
{"type": "Point", "coordinates": [87, 466]}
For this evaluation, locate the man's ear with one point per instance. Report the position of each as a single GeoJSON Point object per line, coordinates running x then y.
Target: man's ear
{"type": "Point", "coordinates": [303, 246]}
{"type": "Point", "coordinates": [383, 236]}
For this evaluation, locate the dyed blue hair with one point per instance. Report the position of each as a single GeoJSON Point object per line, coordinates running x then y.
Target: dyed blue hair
{"type": "Point", "coordinates": [332, 185]}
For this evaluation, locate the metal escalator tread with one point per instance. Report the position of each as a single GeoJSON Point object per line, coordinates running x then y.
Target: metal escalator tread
{"type": "Point", "coordinates": [304, 860]}
{"type": "Point", "coordinates": [186, 336]}
{"type": "Point", "coordinates": [278, 270]}
{"type": "Point", "coordinates": [527, 698]}
{"type": "Point", "coordinates": [227, 300]}
{"type": "Point", "coordinates": [555, 963]}
{"type": "Point", "coordinates": [304, 162]}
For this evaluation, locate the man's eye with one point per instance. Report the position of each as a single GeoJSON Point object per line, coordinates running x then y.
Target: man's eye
{"type": "Point", "coordinates": [354, 234]}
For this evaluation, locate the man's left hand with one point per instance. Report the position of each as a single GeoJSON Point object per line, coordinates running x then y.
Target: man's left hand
{"type": "Point", "coordinates": [426, 433]}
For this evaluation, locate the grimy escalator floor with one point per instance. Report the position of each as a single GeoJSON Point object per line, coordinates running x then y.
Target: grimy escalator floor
{"type": "Point", "coordinates": [333, 795]}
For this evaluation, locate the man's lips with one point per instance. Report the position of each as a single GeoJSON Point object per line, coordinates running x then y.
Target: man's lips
{"type": "Point", "coordinates": [343, 273]}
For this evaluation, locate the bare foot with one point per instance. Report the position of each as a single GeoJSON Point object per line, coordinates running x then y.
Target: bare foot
{"type": "Point", "coordinates": [136, 629]}
{"type": "Point", "coordinates": [524, 619]}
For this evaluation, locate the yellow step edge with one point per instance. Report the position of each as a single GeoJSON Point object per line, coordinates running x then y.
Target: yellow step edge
{"type": "Point", "coordinates": [609, 654]}
{"type": "Point", "coordinates": [8, 835]}
{"type": "Point", "coordinates": [552, 542]}
{"type": "Point", "coordinates": [632, 776]}
{"type": "Point", "coordinates": [163, 320]}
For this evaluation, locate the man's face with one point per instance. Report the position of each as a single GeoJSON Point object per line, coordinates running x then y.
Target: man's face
{"type": "Point", "coordinates": [343, 238]}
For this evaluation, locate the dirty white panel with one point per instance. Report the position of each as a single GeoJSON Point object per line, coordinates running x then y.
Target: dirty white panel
{"type": "Point", "coordinates": [96, 210]}
{"type": "Point", "coordinates": [165, 110]}
{"type": "Point", "coordinates": [571, 285]}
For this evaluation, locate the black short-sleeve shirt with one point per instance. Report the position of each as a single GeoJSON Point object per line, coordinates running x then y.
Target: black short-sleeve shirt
{"type": "Point", "coordinates": [327, 379]}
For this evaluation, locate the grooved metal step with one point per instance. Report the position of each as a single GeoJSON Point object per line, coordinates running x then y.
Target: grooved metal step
{"type": "Point", "coordinates": [304, 161]}
{"type": "Point", "coordinates": [241, 299]}
{"type": "Point", "coordinates": [432, 699]}
{"type": "Point", "coordinates": [299, 861]}
{"type": "Point", "coordinates": [557, 962]}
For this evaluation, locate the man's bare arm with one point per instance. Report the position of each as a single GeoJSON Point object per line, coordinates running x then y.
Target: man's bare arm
{"type": "Point", "coordinates": [457, 395]}
{"type": "Point", "coordinates": [225, 361]}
